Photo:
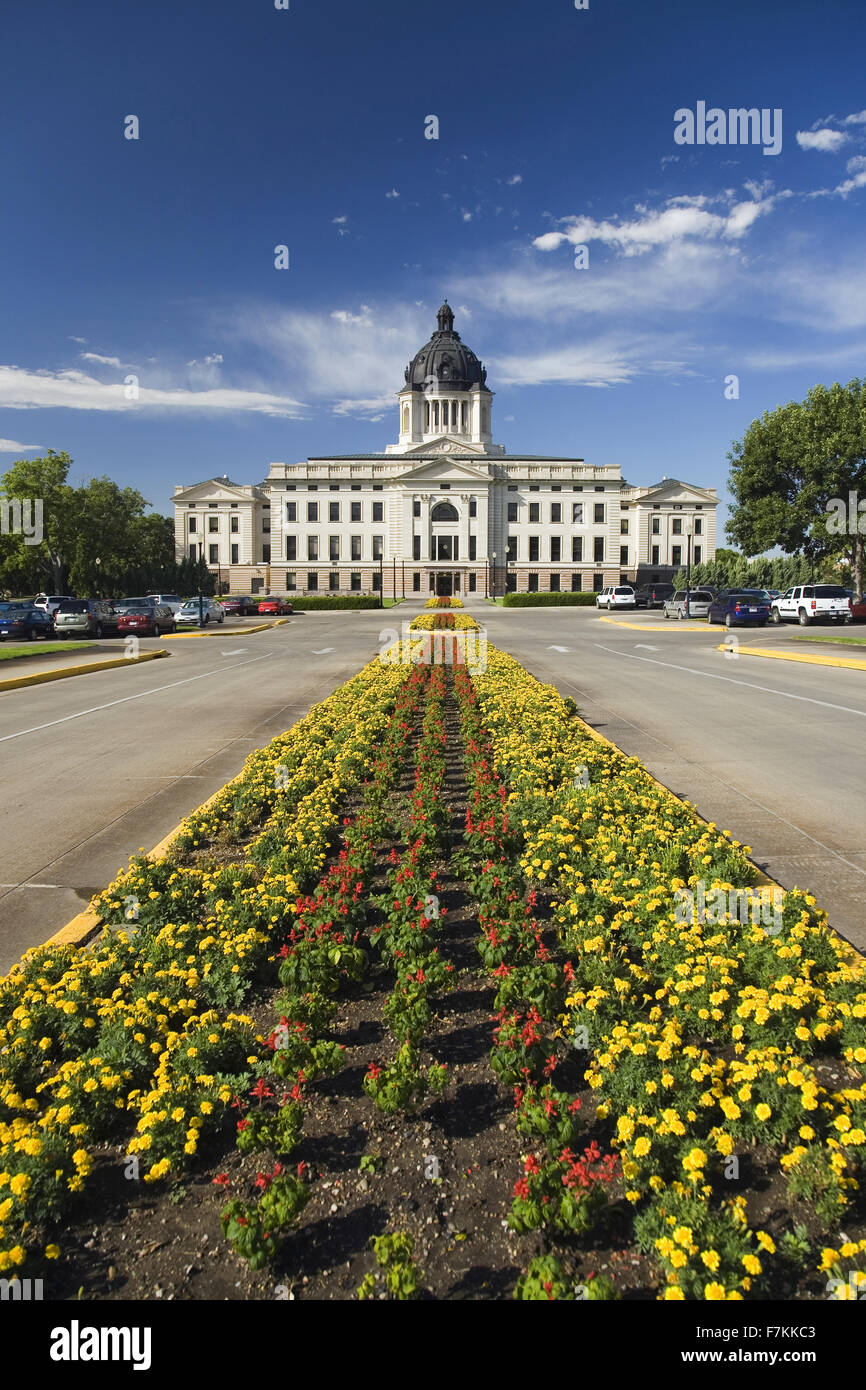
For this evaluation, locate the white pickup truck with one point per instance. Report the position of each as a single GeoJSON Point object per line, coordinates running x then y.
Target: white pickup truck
{"type": "Point", "coordinates": [807, 602]}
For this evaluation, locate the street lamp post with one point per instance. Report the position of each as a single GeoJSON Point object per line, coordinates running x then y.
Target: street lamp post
{"type": "Point", "coordinates": [381, 581]}
{"type": "Point", "coordinates": [97, 561]}
{"type": "Point", "coordinates": [689, 531]}
{"type": "Point", "coordinates": [493, 585]}
{"type": "Point", "coordinates": [200, 594]}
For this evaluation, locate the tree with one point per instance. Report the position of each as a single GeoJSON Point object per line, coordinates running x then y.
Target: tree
{"type": "Point", "coordinates": [795, 469]}
{"type": "Point", "coordinates": [30, 567]}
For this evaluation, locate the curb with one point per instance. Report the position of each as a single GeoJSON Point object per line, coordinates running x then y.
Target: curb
{"type": "Point", "coordinates": [220, 631]}
{"type": "Point", "coordinates": [85, 925]}
{"type": "Point", "coordinates": [668, 627]}
{"type": "Point", "coordinates": [764, 880]}
{"type": "Point", "coordinates": [806, 657]}
{"type": "Point", "coordinates": [60, 673]}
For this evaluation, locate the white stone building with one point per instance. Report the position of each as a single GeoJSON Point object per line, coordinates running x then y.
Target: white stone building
{"type": "Point", "coordinates": [444, 510]}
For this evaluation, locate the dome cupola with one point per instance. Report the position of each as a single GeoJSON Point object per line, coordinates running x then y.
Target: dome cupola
{"type": "Point", "coordinates": [445, 359]}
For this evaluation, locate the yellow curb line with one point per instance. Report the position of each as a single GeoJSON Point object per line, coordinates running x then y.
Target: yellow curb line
{"type": "Point", "coordinates": [86, 924]}
{"type": "Point", "coordinates": [668, 627]}
{"type": "Point", "coordinates": [807, 657]}
{"type": "Point", "coordinates": [232, 631]}
{"type": "Point", "coordinates": [764, 880]}
{"type": "Point", "coordinates": [59, 673]}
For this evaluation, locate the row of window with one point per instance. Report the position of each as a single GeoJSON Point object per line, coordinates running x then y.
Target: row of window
{"type": "Point", "coordinates": [334, 513]}
{"type": "Point", "coordinates": [334, 545]}
{"type": "Point", "coordinates": [213, 524]}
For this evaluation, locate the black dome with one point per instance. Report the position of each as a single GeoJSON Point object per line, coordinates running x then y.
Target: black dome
{"type": "Point", "coordinates": [445, 359]}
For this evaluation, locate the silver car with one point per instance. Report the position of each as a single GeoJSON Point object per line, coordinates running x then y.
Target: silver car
{"type": "Point", "coordinates": [699, 601]}
{"type": "Point", "coordinates": [85, 617]}
{"type": "Point", "coordinates": [188, 615]}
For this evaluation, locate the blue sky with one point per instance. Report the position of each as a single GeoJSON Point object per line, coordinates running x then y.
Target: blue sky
{"type": "Point", "coordinates": [305, 127]}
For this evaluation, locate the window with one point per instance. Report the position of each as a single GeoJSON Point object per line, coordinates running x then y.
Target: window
{"type": "Point", "coordinates": [192, 523]}
{"type": "Point", "coordinates": [333, 511]}
{"type": "Point", "coordinates": [598, 511]}
{"type": "Point", "coordinates": [657, 526]}
{"type": "Point", "coordinates": [598, 549]}
{"type": "Point", "coordinates": [472, 548]}
{"type": "Point", "coordinates": [213, 523]}
{"type": "Point", "coordinates": [444, 548]}
{"type": "Point", "coordinates": [512, 487]}
{"type": "Point", "coordinates": [377, 487]}
{"type": "Point", "coordinates": [554, 583]}
{"type": "Point", "coordinates": [597, 583]}
{"type": "Point", "coordinates": [234, 524]}
{"type": "Point", "coordinates": [444, 511]}
{"type": "Point", "coordinates": [291, 547]}
{"type": "Point", "coordinates": [355, 542]}
{"type": "Point", "coordinates": [333, 548]}
{"type": "Point", "coordinates": [378, 511]}
{"type": "Point", "coordinates": [576, 583]}
{"type": "Point", "coordinates": [312, 580]}
{"type": "Point", "coordinates": [333, 487]}
{"type": "Point", "coordinates": [356, 487]}
{"type": "Point", "coordinates": [377, 581]}
{"type": "Point", "coordinates": [511, 552]}
{"type": "Point", "coordinates": [416, 583]}
{"type": "Point", "coordinates": [193, 552]}
{"type": "Point", "coordinates": [599, 489]}
{"type": "Point", "coordinates": [654, 555]}
{"type": "Point", "coordinates": [416, 547]}
{"type": "Point", "coordinates": [623, 558]}
{"type": "Point", "coordinates": [354, 581]}
{"type": "Point", "coordinates": [555, 549]}
{"type": "Point", "coordinates": [577, 513]}
{"type": "Point", "coordinates": [291, 579]}
{"type": "Point", "coordinates": [266, 526]}
{"type": "Point", "coordinates": [445, 487]}
{"type": "Point", "coordinates": [623, 579]}
{"type": "Point", "coordinates": [555, 487]}
{"type": "Point", "coordinates": [213, 554]}
{"type": "Point", "coordinates": [555, 513]}
{"type": "Point", "coordinates": [699, 526]}
{"type": "Point", "coordinates": [213, 505]}
{"type": "Point", "coordinates": [676, 555]}
{"type": "Point", "coordinates": [510, 583]}
{"type": "Point", "coordinates": [312, 547]}
{"type": "Point", "coordinates": [257, 585]}
{"type": "Point", "coordinates": [356, 511]}
{"type": "Point", "coordinates": [577, 549]}
{"type": "Point", "coordinates": [533, 548]}
{"type": "Point", "coordinates": [623, 527]}
{"type": "Point", "coordinates": [416, 507]}
{"type": "Point", "coordinates": [512, 514]}
{"type": "Point", "coordinates": [533, 487]}
{"type": "Point", "coordinates": [266, 553]}
{"type": "Point", "coordinates": [473, 506]}
{"type": "Point", "coordinates": [313, 487]}
{"type": "Point", "coordinates": [291, 511]}
{"type": "Point", "coordinates": [698, 553]}
{"type": "Point", "coordinates": [312, 511]}
{"type": "Point", "coordinates": [234, 554]}
{"type": "Point", "coordinates": [534, 512]}
{"type": "Point", "coordinates": [333, 580]}
{"type": "Point", "coordinates": [533, 584]}
{"type": "Point", "coordinates": [290, 487]}
{"type": "Point", "coordinates": [378, 547]}
{"type": "Point", "coordinates": [677, 526]}
{"type": "Point", "coordinates": [472, 578]}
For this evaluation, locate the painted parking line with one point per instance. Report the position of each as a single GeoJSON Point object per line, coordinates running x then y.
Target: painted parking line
{"type": "Point", "coordinates": [733, 680]}
{"type": "Point", "coordinates": [94, 709]}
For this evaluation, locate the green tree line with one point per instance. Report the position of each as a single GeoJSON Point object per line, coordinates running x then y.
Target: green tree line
{"type": "Point", "coordinates": [96, 539]}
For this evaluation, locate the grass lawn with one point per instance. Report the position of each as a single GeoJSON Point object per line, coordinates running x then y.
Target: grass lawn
{"type": "Point", "coordinates": [38, 649]}
{"type": "Point", "coordinates": [847, 641]}
{"type": "Point", "coordinates": [391, 602]}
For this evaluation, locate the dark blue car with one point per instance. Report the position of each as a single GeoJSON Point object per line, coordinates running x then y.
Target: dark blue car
{"type": "Point", "coordinates": [22, 620]}
{"type": "Point", "coordinates": [735, 606]}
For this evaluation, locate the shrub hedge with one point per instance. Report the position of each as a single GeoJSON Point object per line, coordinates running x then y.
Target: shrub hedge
{"type": "Point", "coordinates": [565, 600]}
{"type": "Point", "coordinates": [349, 601]}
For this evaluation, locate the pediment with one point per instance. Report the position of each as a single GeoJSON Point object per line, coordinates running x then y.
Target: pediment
{"type": "Point", "coordinates": [209, 491]}
{"type": "Point", "coordinates": [444, 470]}
{"type": "Point", "coordinates": [672, 490]}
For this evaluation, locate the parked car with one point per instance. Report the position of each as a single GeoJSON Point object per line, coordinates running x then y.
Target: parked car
{"type": "Point", "coordinates": [231, 604]}
{"type": "Point", "coordinates": [740, 606]}
{"type": "Point", "coordinates": [657, 594]}
{"type": "Point", "coordinates": [85, 617]}
{"type": "Point", "coordinates": [699, 601]}
{"type": "Point", "coordinates": [49, 603]}
{"type": "Point", "coordinates": [275, 605]}
{"type": "Point", "coordinates": [188, 615]}
{"type": "Point", "coordinates": [641, 598]}
{"type": "Point", "coordinates": [858, 609]}
{"type": "Point", "coordinates": [146, 622]}
{"type": "Point", "coordinates": [173, 602]}
{"type": "Point", "coordinates": [807, 602]}
{"type": "Point", "coordinates": [24, 620]}
{"type": "Point", "coordinates": [246, 605]}
{"type": "Point", "coordinates": [616, 596]}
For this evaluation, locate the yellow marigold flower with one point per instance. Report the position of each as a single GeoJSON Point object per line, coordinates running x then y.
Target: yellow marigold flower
{"type": "Point", "coordinates": [763, 1111]}
{"type": "Point", "coordinates": [52, 1252]}
{"type": "Point", "coordinates": [712, 1259]}
{"type": "Point", "coordinates": [714, 1293]}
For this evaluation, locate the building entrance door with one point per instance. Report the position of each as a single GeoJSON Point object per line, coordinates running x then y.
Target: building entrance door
{"type": "Point", "coordinates": [444, 585]}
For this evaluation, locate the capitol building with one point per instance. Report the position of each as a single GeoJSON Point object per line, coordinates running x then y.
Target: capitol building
{"type": "Point", "coordinates": [444, 510]}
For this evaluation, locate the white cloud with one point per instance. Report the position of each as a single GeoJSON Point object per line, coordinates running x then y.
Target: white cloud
{"type": "Point", "coordinates": [11, 446]}
{"type": "Point", "coordinates": [372, 409]}
{"type": "Point", "coordinates": [467, 217]}
{"type": "Point", "coordinates": [859, 118]}
{"type": "Point", "coordinates": [680, 218]}
{"type": "Point", "coordinates": [515, 178]}
{"type": "Point", "coordinates": [73, 339]}
{"type": "Point", "coordinates": [104, 361]}
{"type": "Point", "coordinates": [392, 194]}
{"type": "Point", "coordinates": [21, 389]}
{"type": "Point", "coordinates": [339, 220]}
{"type": "Point", "coordinates": [828, 141]}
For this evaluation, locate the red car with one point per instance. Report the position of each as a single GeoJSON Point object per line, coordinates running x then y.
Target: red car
{"type": "Point", "coordinates": [145, 622]}
{"type": "Point", "coordinates": [858, 609]}
{"type": "Point", "coordinates": [275, 605]}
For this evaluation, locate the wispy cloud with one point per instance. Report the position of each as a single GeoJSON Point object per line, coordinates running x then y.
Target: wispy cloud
{"type": "Point", "coordinates": [103, 361]}
{"type": "Point", "coordinates": [680, 218]}
{"type": "Point", "coordinates": [829, 141]}
{"type": "Point", "coordinates": [11, 446]}
{"type": "Point", "coordinates": [21, 389]}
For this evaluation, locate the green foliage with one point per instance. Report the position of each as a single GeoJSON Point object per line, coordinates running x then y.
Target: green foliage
{"type": "Point", "coordinates": [583, 599]}
{"type": "Point", "coordinates": [394, 1258]}
{"type": "Point", "coordinates": [345, 601]}
{"type": "Point", "coordinates": [732, 570]}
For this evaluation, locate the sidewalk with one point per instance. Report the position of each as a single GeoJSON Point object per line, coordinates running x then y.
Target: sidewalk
{"type": "Point", "coordinates": [55, 666]}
